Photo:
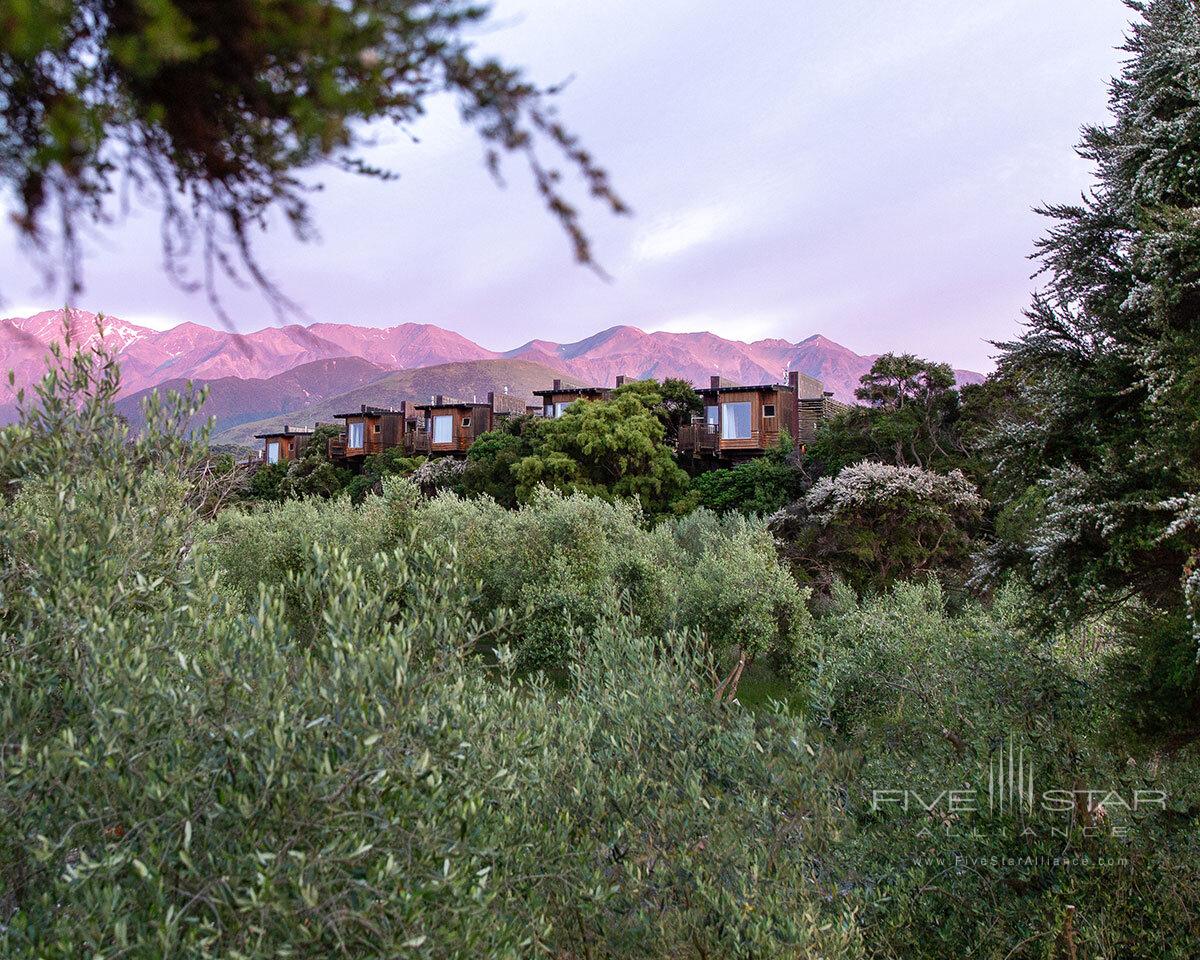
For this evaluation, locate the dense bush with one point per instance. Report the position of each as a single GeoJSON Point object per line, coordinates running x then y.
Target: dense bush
{"type": "Point", "coordinates": [304, 730]}
{"type": "Point", "coordinates": [313, 474]}
{"type": "Point", "coordinates": [185, 772]}
{"type": "Point", "coordinates": [932, 702]}
{"type": "Point", "coordinates": [561, 565]}
{"type": "Point", "coordinates": [614, 448]}
{"type": "Point", "coordinates": [874, 524]}
{"type": "Point", "coordinates": [763, 485]}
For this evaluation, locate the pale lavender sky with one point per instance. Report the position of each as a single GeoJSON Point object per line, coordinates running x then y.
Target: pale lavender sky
{"type": "Point", "coordinates": [859, 169]}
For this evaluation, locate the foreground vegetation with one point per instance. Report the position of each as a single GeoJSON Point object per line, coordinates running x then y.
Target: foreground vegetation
{"type": "Point", "coordinates": [928, 690]}
{"type": "Point", "coordinates": [440, 727]}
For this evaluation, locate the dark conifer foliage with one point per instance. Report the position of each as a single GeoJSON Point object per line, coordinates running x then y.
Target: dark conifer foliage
{"type": "Point", "coordinates": [1100, 459]}
{"type": "Point", "coordinates": [216, 110]}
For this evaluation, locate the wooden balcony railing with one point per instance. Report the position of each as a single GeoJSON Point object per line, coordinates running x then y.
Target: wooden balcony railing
{"type": "Point", "coordinates": [337, 447]}
{"type": "Point", "coordinates": [417, 441]}
{"type": "Point", "coordinates": [698, 437]}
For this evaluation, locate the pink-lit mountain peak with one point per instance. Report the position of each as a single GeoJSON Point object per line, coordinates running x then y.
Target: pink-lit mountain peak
{"type": "Point", "coordinates": [194, 351]}
{"type": "Point", "coordinates": [84, 326]}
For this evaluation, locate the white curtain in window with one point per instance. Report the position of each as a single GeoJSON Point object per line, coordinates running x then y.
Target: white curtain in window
{"type": "Point", "coordinates": [735, 420]}
{"type": "Point", "coordinates": [354, 436]}
{"type": "Point", "coordinates": [443, 429]}
{"type": "Point", "coordinates": [560, 407]}
{"type": "Point", "coordinates": [273, 451]}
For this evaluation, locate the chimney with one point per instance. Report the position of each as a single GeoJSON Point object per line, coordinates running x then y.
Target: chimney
{"type": "Point", "coordinates": [286, 429]}
{"type": "Point", "coordinates": [794, 380]}
{"type": "Point", "coordinates": [362, 408]}
{"type": "Point", "coordinates": [491, 398]}
{"type": "Point", "coordinates": [441, 398]}
{"type": "Point", "coordinates": [620, 379]}
{"type": "Point", "coordinates": [557, 384]}
{"type": "Point", "coordinates": [714, 383]}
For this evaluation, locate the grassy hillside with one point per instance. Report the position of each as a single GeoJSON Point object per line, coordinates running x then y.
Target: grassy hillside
{"type": "Point", "coordinates": [463, 380]}
{"type": "Point", "coordinates": [234, 400]}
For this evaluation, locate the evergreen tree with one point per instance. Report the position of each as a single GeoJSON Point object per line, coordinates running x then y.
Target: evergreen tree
{"type": "Point", "coordinates": [612, 448]}
{"type": "Point", "coordinates": [908, 417]}
{"type": "Point", "coordinates": [1099, 458]}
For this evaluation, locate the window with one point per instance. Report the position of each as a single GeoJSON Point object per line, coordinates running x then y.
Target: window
{"type": "Point", "coordinates": [466, 421]}
{"type": "Point", "coordinates": [273, 451]}
{"type": "Point", "coordinates": [735, 420]}
{"type": "Point", "coordinates": [560, 407]}
{"type": "Point", "coordinates": [443, 429]}
{"type": "Point", "coordinates": [768, 409]}
{"type": "Point", "coordinates": [548, 410]}
{"type": "Point", "coordinates": [354, 435]}
{"type": "Point", "coordinates": [377, 428]}
{"type": "Point", "coordinates": [712, 415]}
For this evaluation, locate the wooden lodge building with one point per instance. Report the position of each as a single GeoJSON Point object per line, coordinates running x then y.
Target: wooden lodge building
{"type": "Point", "coordinates": [558, 398]}
{"type": "Point", "coordinates": [738, 423]}
{"type": "Point", "coordinates": [368, 430]}
{"type": "Point", "coordinates": [743, 422]}
{"type": "Point", "coordinates": [284, 446]}
{"type": "Point", "coordinates": [449, 426]}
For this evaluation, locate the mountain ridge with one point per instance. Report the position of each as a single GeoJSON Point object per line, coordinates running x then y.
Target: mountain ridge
{"type": "Point", "coordinates": [192, 351]}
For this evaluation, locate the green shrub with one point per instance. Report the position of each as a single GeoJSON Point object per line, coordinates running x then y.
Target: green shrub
{"type": "Point", "coordinates": [763, 485]}
{"type": "Point", "coordinates": [560, 564]}
{"type": "Point", "coordinates": [874, 524]}
{"type": "Point", "coordinates": [931, 702]}
{"type": "Point", "coordinates": [183, 773]}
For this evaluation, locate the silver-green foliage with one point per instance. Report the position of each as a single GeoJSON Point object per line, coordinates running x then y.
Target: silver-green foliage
{"type": "Point", "coordinates": [560, 564]}
{"type": "Point", "coordinates": [189, 769]}
{"type": "Point", "coordinates": [932, 701]}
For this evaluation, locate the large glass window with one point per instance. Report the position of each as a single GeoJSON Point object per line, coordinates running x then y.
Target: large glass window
{"type": "Point", "coordinates": [561, 406]}
{"type": "Point", "coordinates": [354, 436]}
{"type": "Point", "coordinates": [273, 451]}
{"type": "Point", "coordinates": [443, 429]}
{"type": "Point", "coordinates": [735, 420]}
{"type": "Point", "coordinates": [712, 415]}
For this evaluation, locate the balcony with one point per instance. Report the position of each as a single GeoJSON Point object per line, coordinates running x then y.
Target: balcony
{"type": "Point", "coordinates": [417, 441]}
{"type": "Point", "coordinates": [699, 437]}
{"type": "Point", "coordinates": [337, 448]}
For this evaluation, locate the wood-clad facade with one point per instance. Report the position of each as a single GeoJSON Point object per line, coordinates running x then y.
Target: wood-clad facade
{"type": "Point", "coordinates": [446, 426]}
{"type": "Point", "coordinates": [558, 398]}
{"type": "Point", "coordinates": [283, 446]}
{"type": "Point", "coordinates": [741, 422]}
{"type": "Point", "coordinates": [368, 430]}
{"type": "Point", "coordinates": [812, 412]}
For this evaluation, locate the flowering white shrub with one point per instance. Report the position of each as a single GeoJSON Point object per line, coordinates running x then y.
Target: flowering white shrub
{"type": "Point", "coordinates": [874, 523]}
{"type": "Point", "coordinates": [868, 485]}
{"type": "Point", "coordinates": [439, 473]}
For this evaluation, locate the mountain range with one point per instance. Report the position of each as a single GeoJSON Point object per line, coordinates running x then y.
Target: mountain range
{"type": "Point", "coordinates": [296, 369]}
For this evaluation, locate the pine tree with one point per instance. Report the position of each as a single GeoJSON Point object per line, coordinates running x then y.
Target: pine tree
{"type": "Point", "coordinates": [1100, 457]}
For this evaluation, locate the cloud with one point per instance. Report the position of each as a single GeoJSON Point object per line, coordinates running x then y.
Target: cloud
{"type": "Point", "coordinates": [670, 235]}
{"type": "Point", "coordinates": [739, 326]}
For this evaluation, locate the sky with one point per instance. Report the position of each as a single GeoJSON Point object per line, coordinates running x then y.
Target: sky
{"type": "Point", "coordinates": [863, 170]}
